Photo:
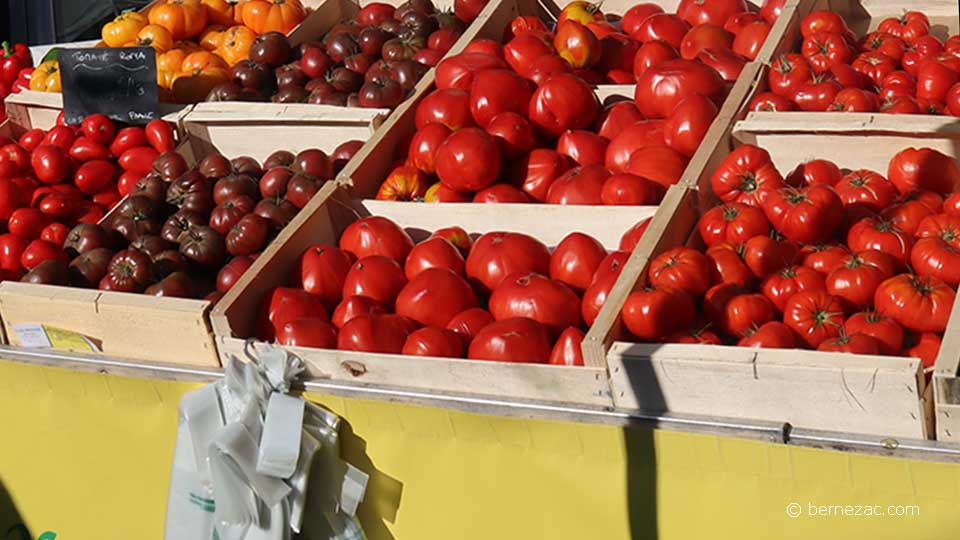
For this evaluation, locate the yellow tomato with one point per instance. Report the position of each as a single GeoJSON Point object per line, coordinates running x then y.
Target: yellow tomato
{"type": "Point", "coordinates": [46, 78]}
{"type": "Point", "coordinates": [123, 29]}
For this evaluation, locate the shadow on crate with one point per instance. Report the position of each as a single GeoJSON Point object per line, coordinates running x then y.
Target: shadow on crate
{"type": "Point", "coordinates": [641, 463]}
{"type": "Point", "coordinates": [11, 523]}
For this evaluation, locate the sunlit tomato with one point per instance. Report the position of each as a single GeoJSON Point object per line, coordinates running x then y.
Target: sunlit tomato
{"type": "Point", "coordinates": [881, 235]}
{"type": "Point", "coordinates": [906, 216]}
{"type": "Point", "coordinates": [579, 185]}
{"type": "Point", "coordinates": [654, 312]}
{"type": "Point", "coordinates": [38, 251]}
{"type": "Point", "coordinates": [468, 160]}
{"type": "Point", "coordinates": [441, 193]}
{"type": "Point", "coordinates": [376, 277]}
{"type": "Point", "coordinates": [724, 61]}
{"type": "Point", "coordinates": [818, 94]}
{"type": "Point", "coordinates": [12, 247]}
{"type": "Point", "coordinates": [537, 297]}
{"type": "Point", "coordinates": [632, 138]}
{"type": "Point", "coordinates": [733, 222]}
{"type": "Point", "coordinates": [924, 168]}
{"type": "Point", "coordinates": [780, 286]}
{"type": "Point", "coordinates": [580, 11]}
{"type": "Point", "coordinates": [423, 146]}
{"type": "Point", "coordinates": [525, 51]}
{"type": "Point", "coordinates": [953, 100]}
{"type": "Point", "coordinates": [765, 256]}
{"type": "Point", "coordinates": [50, 163]}
{"type": "Point", "coordinates": [496, 255]}
{"type": "Point", "coordinates": [632, 236]}
{"type": "Point", "coordinates": [10, 198]}
{"type": "Point", "coordinates": [512, 340]}
{"type": "Point", "coordinates": [489, 47]}
{"type": "Point", "coordinates": [851, 78]}
{"type": "Point", "coordinates": [376, 235]}
{"type": "Point", "coordinates": [615, 117]}
{"type": "Point", "coordinates": [900, 104]}
{"type": "Point", "coordinates": [936, 258]}
{"type": "Point", "coordinates": [750, 39]}
{"type": "Point", "coordinates": [575, 260]}
{"type": "Point", "coordinates": [495, 91]}
{"type": "Point", "coordinates": [714, 12]}
{"type": "Point", "coordinates": [322, 271]}
{"type": "Point", "coordinates": [566, 351]}
{"type": "Point", "coordinates": [745, 175]}
{"type": "Point", "coordinates": [771, 335]}
{"type": "Point", "coordinates": [822, 21]}
{"type": "Point", "coordinates": [824, 258]}
{"type": "Point", "coordinates": [633, 18]}
{"type": "Point", "coordinates": [61, 136]}
{"type": "Point", "coordinates": [435, 252]}
{"type": "Point", "coordinates": [353, 306]}
{"type": "Point", "coordinates": [660, 88]}
{"type": "Point", "coordinates": [449, 106]}
{"type": "Point", "coordinates": [282, 305]}
{"type": "Point", "coordinates": [854, 100]}
{"type": "Point", "coordinates": [55, 233]}
{"type": "Point", "coordinates": [951, 206]}
{"type": "Point", "coordinates": [660, 164]}
{"type": "Point", "coordinates": [909, 27]}
{"type": "Point", "coordinates": [603, 280]}
{"type": "Point", "coordinates": [375, 333]}
{"type": "Point", "coordinates": [920, 304]}
{"type": "Point", "coordinates": [31, 139]}
{"type": "Point", "coordinates": [313, 332]}
{"type": "Point", "coordinates": [617, 57]}
{"type": "Point", "coordinates": [887, 44]}
{"type": "Point", "coordinates": [513, 134]}
{"type": "Point", "coordinates": [925, 346]}
{"type": "Point", "coordinates": [824, 50]}
{"type": "Point", "coordinates": [457, 71]}
{"type": "Point", "coordinates": [816, 171]}
{"type": "Point", "coordinates": [583, 147]}
{"type": "Point", "coordinates": [576, 44]}
{"type": "Point", "coordinates": [470, 321]}
{"type": "Point", "coordinates": [851, 343]}
{"type": "Point", "coordinates": [875, 65]}
{"type": "Point", "coordinates": [687, 125]}
{"type": "Point", "coordinates": [704, 36]}
{"type": "Point", "coordinates": [435, 342]}
{"type": "Point", "coordinates": [652, 53]}
{"type": "Point", "coordinates": [562, 103]}
{"type": "Point", "coordinates": [815, 317]}
{"type": "Point", "coordinates": [434, 296]}
{"type": "Point", "coordinates": [770, 102]}
{"type": "Point", "coordinates": [228, 276]}
{"type": "Point", "coordinates": [695, 336]}
{"type": "Point", "coordinates": [728, 264]}
{"type": "Point", "coordinates": [28, 223]}
{"type": "Point", "coordinates": [854, 281]}
{"type": "Point", "coordinates": [745, 312]}
{"type": "Point", "coordinates": [664, 27]}
{"type": "Point", "coordinates": [738, 21]}
{"type": "Point", "coordinates": [404, 183]}
{"type": "Point", "coordinates": [887, 332]}
{"type": "Point", "coordinates": [788, 73]}
{"type": "Point", "coordinates": [919, 52]}
{"type": "Point", "coordinates": [866, 189]}
{"type": "Point", "coordinates": [629, 189]}
{"type": "Point", "coordinates": [522, 24]}
{"type": "Point", "coordinates": [934, 80]}
{"type": "Point", "coordinates": [537, 171]}
{"type": "Point", "coordinates": [683, 268]}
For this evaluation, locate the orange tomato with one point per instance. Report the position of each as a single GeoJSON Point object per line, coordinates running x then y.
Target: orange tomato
{"type": "Point", "coordinates": [123, 29]}
{"type": "Point", "coordinates": [264, 16]}
{"type": "Point", "coordinates": [235, 45]}
{"type": "Point", "coordinates": [168, 66]}
{"type": "Point", "coordinates": [219, 11]}
{"type": "Point", "coordinates": [212, 37]}
{"type": "Point", "coordinates": [195, 86]}
{"type": "Point", "coordinates": [156, 36]}
{"type": "Point", "coordinates": [183, 18]}
{"type": "Point", "coordinates": [200, 60]}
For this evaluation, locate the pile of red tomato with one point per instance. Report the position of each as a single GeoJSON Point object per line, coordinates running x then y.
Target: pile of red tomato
{"type": "Point", "coordinates": [520, 122]}
{"type": "Point", "coordinates": [851, 261]}
{"type": "Point", "coordinates": [502, 297]}
{"type": "Point", "coordinates": [53, 180]}
{"type": "Point", "coordinates": [899, 68]}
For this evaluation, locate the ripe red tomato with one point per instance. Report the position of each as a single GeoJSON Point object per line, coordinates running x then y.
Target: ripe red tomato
{"type": "Point", "coordinates": [924, 168]}
{"type": "Point", "coordinates": [887, 332]}
{"type": "Point", "coordinates": [434, 252]}
{"type": "Point", "coordinates": [50, 163]}
{"type": "Point", "coordinates": [745, 312]}
{"type": "Point", "coordinates": [583, 147]}
{"type": "Point", "coordinates": [39, 251]}
{"type": "Point", "coordinates": [856, 279]}
{"type": "Point", "coordinates": [866, 189]}
{"type": "Point", "coordinates": [750, 39]}
{"type": "Point", "coordinates": [315, 332]}
{"type": "Point", "coordinates": [228, 276]}
{"type": "Point", "coordinates": [704, 36]}
{"type": "Point", "coordinates": [807, 215]}
{"type": "Point", "coordinates": [682, 268]}
{"type": "Point", "coordinates": [660, 88]}
{"type": "Point", "coordinates": [374, 14]}
{"type": "Point", "coordinates": [489, 47]}
{"type": "Point", "coordinates": [910, 211]}
{"type": "Point", "coordinates": [513, 133]}
{"type": "Point", "coordinates": [457, 71]}
{"type": "Point", "coordinates": [561, 103]}
{"type": "Point", "coordinates": [447, 106]}
{"type": "Point", "coordinates": [435, 342]}
{"type": "Point", "coordinates": [633, 18]}
{"type": "Point", "coordinates": [576, 44]}
{"type": "Point", "coordinates": [925, 346]}
{"type": "Point", "coordinates": [99, 128]}
{"type": "Point", "coordinates": [728, 264]}
{"type": "Point", "coordinates": [537, 171]}
{"type": "Point", "coordinates": [821, 21]}
{"type": "Point", "coordinates": [715, 12]}
{"type": "Point", "coordinates": [282, 305]}
{"type": "Point", "coordinates": [434, 296]}
{"type": "Point", "coordinates": [764, 255]}
{"type": "Point", "coordinates": [498, 90]}
{"type": "Point", "coordinates": [815, 316]}
{"type": "Point", "coordinates": [655, 312]}
{"type": "Point", "coordinates": [815, 171]}
{"type": "Point", "coordinates": [139, 159]}
{"type": "Point", "coordinates": [875, 65]}
{"type": "Point", "coordinates": [376, 235]}
{"type": "Point", "coordinates": [468, 160]}
{"type": "Point", "coordinates": [159, 134]}
{"type": "Point", "coordinates": [470, 321]}
{"type": "Point", "coordinates": [818, 94]}
{"type": "Point", "coordinates": [603, 281]}
{"type": "Point", "coordinates": [28, 223]}
{"type": "Point", "coordinates": [663, 27]}
{"type": "Point", "coordinates": [615, 117]}
{"type": "Point", "coordinates": [353, 306]}
{"type": "Point", "coordinates": [566, 351]}
{"type": "Point", "coordinates": [934, 80]}
{"type": "Point", "coordinates": [94, 176]}
{"type": "Point", "coordinates": [920, 304]}
{"type": "Point", "coordinates": [630, 189]}
{"type": "Point", "coordinates": [579, 185]}
{"type": "Point", "coordinates": [881, 235]}
{"type": "Point", "coordinates": [424, 145]}
{"type": "Point", "coordinates": [951, 206]}
{"type": "Point", "coordinates": [12, 247]}
{"type": "Point", "coordinates": [377, 277]}
{"type": "Point", "coordinates": [512, 340]}
{"type": "Point", "coordinates": [660, 164]}
{"type": "Point", "coordinates": [322, 271]}
{"type": "Point", "coordinates": [851, 78]}
{"type": "Point", "coordinates": [688, 124]}
{"type": "Point", "coordinates": [780, 286]}
{"type": "Point", "coordinates": [825, 50]}
{"type": "Point", "coordinates": [851, 343]}
{"type": "Point", "coordinates": [404, 183]}
{"type": "Point", "coordinates": [616, 58]}
{"type": "Point", "coordinates": [771, 335]}
{"type": "Point", "coordinates": [575, 260]}
{"type": "Point", "coordinates": [31, 139]}
{"type": "Point", "coordinates": [695, 336]}
{"type": "Point", "coordinates": [909, 27]}
{"type": "Point", "coordinates": [496, 255]}
{"type": "Point", "coordinates": [854, 100]}
{"type": "Point", "coordinates": [526, 50]}
{"type": "Point", "coordinates": [536, 297]}
{"type": "Point", "coordinates": [630, 139]}
{"type": "Point", "coordinates": [744, 175]}
{"type": "Point", "coordinates": [936, 258]}
{"type": "Point", "coordinates": [724, 61]}
{"type": "Point", "coordinates": [900, 104]}
{"type": "Point", "coordinates": [788, 73]}
{"type": "Point", "coordinates": [715, 302]}
{"type": "Point", "coordinates": [651, 54]}
{"type": "Point", "coordinates": [733, 222]}
{"type": "Point", "coordinates": [953, 100]}
{"type": "Point", "coordinates": [55, 233]}
{"type": "Point", "coordinates": [375, 333]}
{"type": "Point", "coordinates": [824, 258]}
{"type": "Point", "coordinates": [61, 136]}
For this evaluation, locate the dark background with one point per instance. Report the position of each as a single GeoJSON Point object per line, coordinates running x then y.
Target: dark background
{"type": "Point", "coordinates": [37, 22]}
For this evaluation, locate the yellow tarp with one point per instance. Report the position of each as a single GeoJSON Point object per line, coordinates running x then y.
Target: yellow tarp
{"type": "Point", "coordinates": [87, 456]}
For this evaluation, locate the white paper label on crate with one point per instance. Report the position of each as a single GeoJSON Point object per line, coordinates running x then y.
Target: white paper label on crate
{"type": "Point", "coordinates": [31, 336]}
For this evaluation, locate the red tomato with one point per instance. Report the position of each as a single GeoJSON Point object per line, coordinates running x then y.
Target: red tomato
{"type": "Point", "coordinates": [536, 297]}
{"type": "Point", "coordinates": [943, 226]}
{"type": "Point", "coordinates": [374, 14]}
{"type": "Point", "coordinates": [468, 160]}
{"type": "Point", "coordinates": [470, 321]}
{"type": "Point", "coordinates": [724, 61]}
{"type": "Point", "coordinates": [487, 46]}
{"type": "Point", "coordinates": [924, 168]}
{"type": "Point", "coordinates": [651, 54]}
{"type": "Point", "coordinates": [84, 149]}
{"type": "Point", "coordinates": [695, 336]}
{"type": "Point", "coordinates": [856, 279]}
{"type": "Point", "coordinates": [99, 128]}
{"type": "Point", "coordinates": [94, 176]}
{"type": "Point", "coordinates": [447, 106]}
{"type": "Point", "coordinates": [854, 100]}
{"type": "Point", "coordinates": [630, 139]}
{"type": "Point", "coordinates": [909, 27]}
{"type": "Point", "coordinates": [925, 346]}
{"type": "Point", "coordinates": [881, 235]}
{"type": "Point", "coordinates": [866, 189]}
{"type": "Point", "coordinates": [728, 264]}
{"type": "Point", "coordinates": [435, 342]}
{"type": "Point", "coordinates": [779, 287]}
{"type": "Point", "coordinates": [788, 73]}
{"type": "Point", "coordinates": [404, 183]}
{"type": "Point", "coordinates": [851, 343]}
{"type": "Point", "coordinates": [353, 306]}
{"type": "Point", "coordinates": [815, 316]}
{"type": "Point", "coordinates": [55, 233]}
{"type": "Point", "coordinates": [576, 44]}
{"type": "Point", "coordinates": [315, 332]}
{"type": "Point", "coordinates": [524, 51]}
{"type": "Point", "coordinates": [770, 102]}
{"type": "Point", "coordinates": [655, 312]}
{"type": "Point", "coordinates": [660, 88]}
{"type": "Point", "coordinates": [512, 340]}
{"type": "Point", "coordinates": [900, 105]}
{"type": "Point", "coordinates": [537, 171]}
{"type": "Point", "coordinates": [953, 100]}
{"type": "Point", "coordinates": [160, 136]}
{"type": "Point", "coordinates": [738, 21]}
{"type": "Point", "coordinates": [733, 222]}
{"type": "Point", "coordinates": [744, 174]}
{"type": "Point", "coordinates": [875, 65]}
{"type": "Point", "coordinates": [603, 281]}
{"type": "Point", "coordinates": [434, 296]}
{"type": "Point", "coordinates": [887, 332]}
{"type": "Point", "coordinates": [322, 271]}
{"type": "Point", "coordinates": [457, 71]}
{"type": "Point", "coordinates": [566, 351]}
{"type": "Point", "coordinates": [817, 95]}
{"type": "Point", "coordinates": [851, 78]}
{"type": "Point", "coordinates": [61, 136]}
{"type": "Point", "coordinates": [663, 27]}
{"type": "Point", "coordinates": [376, 235]}
{"type": "Point", "coordinates": [127, 181]}
{"type": "Point", "coordinates": [816, 171]}
{"type": "Point", "coordinates": [39, 251]}
{"type": "Point", "coordinates": [633, 18]}
{"type": "Point", "coordinates": [563, 102]}
{"type": "Point", "coordinates": [31, 139]}
{"type": "Point", "coordinates": [715, 12]}
{"type": "Point", "coordinates": [12, 247]}
{"type": "Point", "coordinates": [687, 125]}
{"type": "Point", "coordinates": [936, 258]}
{"type": "Point", "coordinates": [630, 189]}
{"type": "Point", "coordinates": [917, 303]}
{"type": "Point", "coordinates": [823, 22]}
{"type": "Point", "coordinates": [704, 36]}
{"type": "Point", "coordinates": [824, 258]}
{"type": "Point", "coordinates": [579, 185]}
{"type": "Point", "coordinates": [682, 268]}
{"type": "Point", "coordinates": [282, 305]}
{"type": "Point", "coordinates": [616, 58]}
{"type": "Point", "coordinates": [575, 260]}
{"type": "Point", "coordinates": [424, 145]}
{"type": "Point", "coordinates": [513, 133]}
{"type": "Point", "coordinates": [442, 40]}
{"type": "Point", "coordinates": [889, 45]}
{"type": "Point", "coordinates": [615, 117]}
{"type": "Point", "coordinates": [495, 91]}
{"type": "Point", "coordinates": [375, 333]}
{"type": "Point", "coordinates": [139, 159]}
{"type": "Point", "coordinates": [10, 198]}
{"type": "Point", "coordinates": [434, 252]}
{"type": "Point", "coordinates": [633, 235]}
{"type": "Point", "coordinates": [127, 138]}
{"type": "Point", "coordinates": [934, 80]}
{"type": "Point", "coordinates": [232, 272]}
{"type": "Point", "coordinates": [661, 164]}
{"type": "Point", "coordinates": [825, 50]}
{"type": "Point", "coordinates": [746, 312]}
{"type": "Point", "coordinates": [50, 163]}
{"type": "Point", "coordinates": [952, 205]}
{"type": "Point", "coordinates": [764, 255]}
{"type": "Point", "coordinates": [28, 223]}
{"type": "Point", "coordinates": [583, 147]}
{"type": "Point", "coordinates": [377, 277]}
{"type": "Point", "coordinates": [549, 65]}
{"type": "Point", "coordinates": [496, 255]}
{"type": "Point", "coordinates": [771, 335]}
{"type": "Point", "coordinates": [750, 39]}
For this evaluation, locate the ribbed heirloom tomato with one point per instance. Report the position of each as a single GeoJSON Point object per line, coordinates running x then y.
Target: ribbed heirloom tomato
{"type": "Point", "coordinates": [495, 91]}
{"type": "Point", "coordinates": [771, 335]}
{"type": "Point", "coordinates": [566, 351]}
{"type": "Point", "coordinates": [376, 235]}
{"type": "Point", "coordinates": [885, 330]}
{"type": "Point", "coordinates": [575, 260]}
{"type": "Point", "coordinates": [537, 297]}
{"type": "Point", "coordinates": [377, 277]}
{"type": "Point", "coordinates": [734, 222]}
{"type": "Point", "coordinates": [654, 312]}
{"type": "Point", "coordinates": [377, 333]}
{"type": "Point", "coordinates": [447, 106]}
{"type": "Point", "coordinates": [512, 340]}
{"type": "Point", "coordinates": [881, 235]}
{"type": "Point", "coordinates": [468, 160]}
{"type": "Point", "coordinates": [496, 255]}
{"type": "Point", "coordinates": [434, 296]}
{"type": "Point", "coordinates": [683, 268]}
{"type": "Point", "coordinates": [434, 341]}
{"type": "Point", "coordinates": [782, 285]}
{"type": "Point", "coordinates": [282, 305]}
{"type": "Point", "coordinates": [561, 103]}
{"type": "Point", "coordinates": [815, 316]}
{"type": "Point", "coordinates": [660, 88]}
{"type": "Point", "coordinates": [807, 215]}
{"type": "Point", "coordinates": [744, 175]}
{"type": "Point", "coordinates": [854, 281]}
{"type": "Point", "coordinates": [866, 189]}
{"type": "Point", "coordinates": [920, 304]}
{"type": "Point", "coordinates": [851, 343]}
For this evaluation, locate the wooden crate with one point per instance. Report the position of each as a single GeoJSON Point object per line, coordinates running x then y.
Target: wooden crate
{"type": "Point", "coordinates": [31, 109]}
{"type": "Point", "coordinates": [875, 395]}
{"type": "Point", "coordinates": [322, 223]}
{"type": "Point", "coordinates": [862, 16]}
{"type": "Point", "coordinates": [159, 329]}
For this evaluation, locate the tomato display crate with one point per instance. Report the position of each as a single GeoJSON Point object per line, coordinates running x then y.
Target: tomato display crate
{"type": "Point", "coordinates": [874, 395]}
{"type": "Point", "coordinates": [165, 329]}
{"type": "Point", "coordinates": [322, 222]}
{"type": "Point", "coordinates": [862, 16]}
{"type": "Point", "coordinates": [32, 109]}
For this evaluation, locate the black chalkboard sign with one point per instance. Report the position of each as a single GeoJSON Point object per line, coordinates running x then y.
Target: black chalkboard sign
{"type": "Point", "coordinates": [120, 83]}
